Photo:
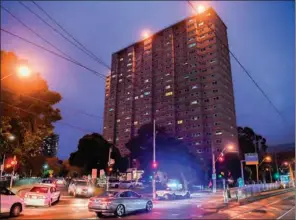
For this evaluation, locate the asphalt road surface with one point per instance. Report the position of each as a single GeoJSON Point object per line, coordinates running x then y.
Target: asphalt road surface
{"type": "Point", "coordinates": [202, 206]}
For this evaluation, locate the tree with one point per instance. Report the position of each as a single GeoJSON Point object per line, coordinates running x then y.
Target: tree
{"type": "Point", "coordinates": [27, 111]}
{"type": "Point", "coordinates": [250, 142]}
{"type": "Point", "coordinates": [93, 153]}
{"type": "Point", "coordinates": [172, 155]}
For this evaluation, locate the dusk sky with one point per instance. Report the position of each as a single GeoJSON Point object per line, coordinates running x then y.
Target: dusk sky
{"type": "Point", "coordinates": [260, 34]}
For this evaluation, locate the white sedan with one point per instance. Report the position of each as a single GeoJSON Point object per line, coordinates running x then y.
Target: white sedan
{"type": "Point", "coordinates": [10, 203]}
{"type": "Point", "coordinates": [42, 195]}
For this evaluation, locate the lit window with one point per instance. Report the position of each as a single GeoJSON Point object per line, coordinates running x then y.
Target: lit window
{"type": "Point", "coordinates": [192, 45]}
{"type": "Point", "coordinates": [194, 87]}
{"type": "Point", "coordinates": [113, 76]}
{"type": "Point", "coordinates": [168, 87]}
{"type": "Point", "coordinates": [136, 97]}
{"type": "Point", "coordinates": [191, 20]}
{"type": "Point", "coordinates": [128, 117]}
{"type": "Point", "coordinates": [209, 14]}
{"type": "Point", "coordinates": [180, 138]}
{"type": "Point", "coordinates": [169, 93]}
{"type": "Point", "coordinates": [197, 143]}
{"type": "Point", "coordinates": [147, 80]}
{"type": "Point", "coordinates": [141, 96]}
{"type": "Point", "coordinates": [218, 132]}
{"type": "Point", "coordinates": [200, 24]}
{"type": "Point", "coordinates": [118, 120]}
{"type": "Point", "coordinates": [194, 102]}
{"type": "Point", "coordinates": [135, 123]}
{"type": "Point", "coordinates": [127, 130]}
{"type": "Point", "coordinates": [180, 122]}
{"type": "Point", "coordinates": [129, 64]}
{"type": "Point", "coordinates": [121, 59]}
{"type": "Point", "coordinates": [111, 109]}
{"type": "Point", "coordinates": [129, 54]}
{"type": "Point", "coordinates": [195, 118]}
{"type": "Point", "coordinates": [212, 61]}
{"type": "Point", "coordinates": [120, 80]}
{"type": "Point", "coordinates": [146, 93]}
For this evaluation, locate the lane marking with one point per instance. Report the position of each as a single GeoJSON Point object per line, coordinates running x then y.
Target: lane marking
{"type": "Point", "coordinates": [263, 206]}
{"type": "Point", "coordinates": [286, 213]}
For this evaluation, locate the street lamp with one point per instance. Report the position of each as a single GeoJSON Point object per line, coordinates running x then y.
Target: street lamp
{"type": "Point", "coordinates": [21, 71]}
{"type": "Point", "coordinates": [286, 163]}
{"type": "Point", "coordinates": [11, 137]}
{"type": "Point", "coordinates": [267, 159]}
{"type": "Point", "coordinates": [201, 9]}
{"type": "Point", "coordinates": [45, 166]}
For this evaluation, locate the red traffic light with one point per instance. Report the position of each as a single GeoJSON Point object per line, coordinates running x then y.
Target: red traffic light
{"type": "Point", "coordinates": [13, 162]}
{"type": "Point", "coordinates": [110, 169]}
{"type": "Point", "coordinates": [221, 159]}
{"type": "Point", "coordinates": [154, 165]}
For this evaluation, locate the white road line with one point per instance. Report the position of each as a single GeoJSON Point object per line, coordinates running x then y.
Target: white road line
{"type": "Point", "coordinates": [174, 214]}
{"type": "Point", "coordinates": [286, 213]}
{"type": "Point", "coordinates": [263, 206]}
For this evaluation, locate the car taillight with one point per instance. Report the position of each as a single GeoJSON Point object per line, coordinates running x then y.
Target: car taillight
{"type": "Point", "coordinates": [26, 196]}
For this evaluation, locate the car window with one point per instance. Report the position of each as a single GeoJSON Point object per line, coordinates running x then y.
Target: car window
{"type": "Point", "coordinates": [4, 191]}
{"type": "Point", "coordinates": [124, 194]}
{"type": "Point", "coordinates": [39, 189]}
{"type": "Point", "coordinates": [133, 194]}
{"type": "Point", "coordinates": [81, 183]}
{"type": "Point", "coordinates": [52, 189]}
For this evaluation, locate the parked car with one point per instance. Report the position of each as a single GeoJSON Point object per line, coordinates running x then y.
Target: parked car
{"type": "Point", "coordinates": [10, 203]}
{"type": "Point", "coordinates": [119, 203]}
{"type": "Point", "coordinates": [168, 194]}
{"type": "Point", "coordinates": [129, 184]}
{"type": "Point", "coordinates": [61, 182]}
{"type": "Point", "coordinates": [113, 183]}
{"type": "Point", "coordinates": [49, 181]}
{"type": "Point", "coordinates": [81, 188]}
{"type": "Point", "coordinates": [42, 195]}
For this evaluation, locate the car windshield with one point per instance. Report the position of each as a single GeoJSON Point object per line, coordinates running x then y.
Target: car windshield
{"type": "Point", "coordinates": [39, 189]}
{"type": "Point", "coordinates": [109, 194]}
{"type": "Point", "coordinates": [47, 181]}
{"type": "Point", "coordinates": [81, 183]}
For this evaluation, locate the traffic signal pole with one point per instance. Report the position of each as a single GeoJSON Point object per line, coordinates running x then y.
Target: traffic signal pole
{"type": "Point", "coordinates": [107, 177]}
{"type": "Point", "coordinates": [213, 170]}
{"type": "Point", "coordinates": [154, 161]}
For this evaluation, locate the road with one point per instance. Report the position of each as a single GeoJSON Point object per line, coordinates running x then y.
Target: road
{"type": "Point", "coordinates": [201, 206]}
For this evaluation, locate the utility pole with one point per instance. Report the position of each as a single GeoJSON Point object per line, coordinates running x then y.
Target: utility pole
{"type": "Point", "coordinates": [242, 171]}
{"type": "Point", "coordinates": [107, 178]}
{"type": "Point", "coordinates": [276, 165]}
{"type": "Point", "coordinates": [213, 170]}
{"type": "Point", "coordinates": [154, 161]}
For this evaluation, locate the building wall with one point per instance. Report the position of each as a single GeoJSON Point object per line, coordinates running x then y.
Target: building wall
{"type": "Point", "coordinates": [181, 77]}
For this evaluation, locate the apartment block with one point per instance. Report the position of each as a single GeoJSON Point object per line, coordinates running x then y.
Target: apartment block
{"type": "Point", "coordinates": [181, 78]}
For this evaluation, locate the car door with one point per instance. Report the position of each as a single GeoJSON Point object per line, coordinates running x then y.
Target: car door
{"type": "Point", "coordinates": [136, 200]}
{"type": "Point", "coordinates": [4, 200]}
{"type": "Point", "coordinates": [126, 201]}
{"type": "Point", "coordinates": [52, 194]}
{"type": "Point", "coordinates": [56, 193]}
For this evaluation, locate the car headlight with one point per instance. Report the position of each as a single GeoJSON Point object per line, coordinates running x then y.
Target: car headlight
{"type": "Point", "coordinates": [90, 190]}
{"type": "Point", "coordinates": [78, 190]}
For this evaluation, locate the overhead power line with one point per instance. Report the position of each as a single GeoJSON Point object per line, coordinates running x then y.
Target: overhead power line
{"type": "Point", "coordinates": [52, 52]}
{"type": "Point", "coordinates": [82, 47]}
{"type": "Point", "coordinates": [244, 69]}
{"type": "Point", "coordinates": [60, 122]}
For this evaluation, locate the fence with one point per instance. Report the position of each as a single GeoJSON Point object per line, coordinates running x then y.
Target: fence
{"type": "Point", "coordinates": [256, 189]}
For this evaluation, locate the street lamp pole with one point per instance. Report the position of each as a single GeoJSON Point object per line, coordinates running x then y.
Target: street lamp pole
{"type": "Point", "coordinates": [213, 170]}
{"type": "Point", "coordinates": [242, 171]}
{"type": "Point", "coordinates": [154, 161]}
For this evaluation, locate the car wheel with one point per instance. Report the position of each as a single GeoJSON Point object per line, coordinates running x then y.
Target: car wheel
{"type": "Point", "coordinates": [49, 203]}
{"type": "Point", "coordinates": [187, 196]}
{"type": "Point", "coordinates": [149, 206]}
{"type": "Point", "coordinates": [15, 210]}
{"type": "Point", "coordinates": [74, 194]}
{"type": "Point", "coordinates": [116, 186]}
{"type": "Point", "coordinates": [120, 211]}
{"type": "Point", "coordinates": [58, 198]}
{"type": "Point", "coordinates": [99, 214]}
{"type": "Point", "coordinates": [167, 196]}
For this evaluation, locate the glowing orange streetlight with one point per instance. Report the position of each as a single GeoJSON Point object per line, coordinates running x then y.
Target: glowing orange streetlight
{"type": "Point", "coordinates": [201, 9]}
{"type": "Point", "coordinates": [22, 71]}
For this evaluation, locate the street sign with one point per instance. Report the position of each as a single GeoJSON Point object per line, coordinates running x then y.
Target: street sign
{"type": "Point", "coordinates": [94, 173]}
{"type": "Point", "coordinates": [214, 176]}
{"type": "Point", "coordinates": [251, 159]}
{"type": "Point", "coordinates": [240, 182]}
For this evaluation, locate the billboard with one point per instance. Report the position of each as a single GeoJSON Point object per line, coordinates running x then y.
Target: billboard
{"type": "Point", "coordinates": [251, 159]}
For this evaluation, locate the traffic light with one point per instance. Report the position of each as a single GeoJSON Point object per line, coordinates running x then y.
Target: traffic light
{"type": "Point", "coordinates": [220, 175]}
{"type": "Point", "coordinates": [154, 165]}
{"type": "Point", "coordinates": [221, 159]}
{"type": "Point", "coordinates": [276, 176]}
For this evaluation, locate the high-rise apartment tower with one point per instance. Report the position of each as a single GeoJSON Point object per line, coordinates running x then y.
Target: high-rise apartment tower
{"type": "Point", "coordinates": [179, 76]}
